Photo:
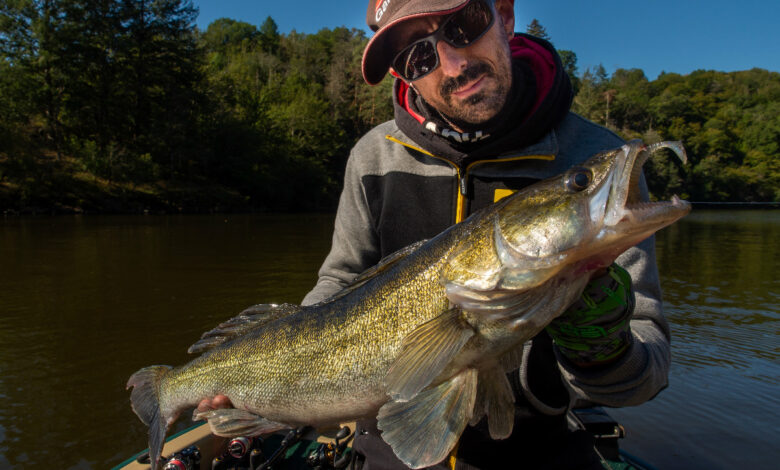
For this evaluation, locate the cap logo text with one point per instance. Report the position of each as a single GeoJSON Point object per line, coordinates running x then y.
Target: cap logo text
{"type": "Point", "coordinates": [381, 8]}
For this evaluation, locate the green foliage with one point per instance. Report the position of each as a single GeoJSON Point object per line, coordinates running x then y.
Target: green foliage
{"type": "Point", "coordinates": [286, 109]}
{"type": "Point", "coordinates": [729, 123]}
{"type": "Point", "coordinates": [131, 94]}
{"type": "Point", "coordinates": [569, 61]}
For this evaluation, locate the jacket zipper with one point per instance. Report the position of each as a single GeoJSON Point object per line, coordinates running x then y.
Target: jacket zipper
{"type": "Point", "coordinates": [462, 174]}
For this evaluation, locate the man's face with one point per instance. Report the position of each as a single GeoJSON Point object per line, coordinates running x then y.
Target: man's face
{"type": "Point", "coordinates": [470, 84]}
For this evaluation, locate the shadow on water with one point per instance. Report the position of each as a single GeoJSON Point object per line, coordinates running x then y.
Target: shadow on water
{"type": "Point", "coordinates": [86, 301]}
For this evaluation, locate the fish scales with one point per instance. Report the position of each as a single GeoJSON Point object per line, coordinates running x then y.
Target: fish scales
{"type": "Point", "coordinates": [356, 342]}
{"type": "Point", "coordinates": [423, 340]}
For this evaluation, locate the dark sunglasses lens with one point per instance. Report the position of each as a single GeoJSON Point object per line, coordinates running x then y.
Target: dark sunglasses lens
{"type": "Point", "coordinates": [460, 30]}
{"type": "Point", "coordinates": [468, 25]}
{"type": "Point", "coordinates": [416, 60]}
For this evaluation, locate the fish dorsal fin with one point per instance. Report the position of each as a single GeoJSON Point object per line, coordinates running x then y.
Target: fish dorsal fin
{"type": "Point", "coordinates": [422, 431]}
{"type": "Point", "coordinates": [383, 265]}
{"type": "Point", "coordinates": [389, 260]}
{"type": "Point", "coordinates": [496, 400]}
{"type": "Point", "coordinates": [425, 352]}
{"type": "Point", "coordinates": [249, 319]}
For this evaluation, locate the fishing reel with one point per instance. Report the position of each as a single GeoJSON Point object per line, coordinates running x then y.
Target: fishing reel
{"type": "Point", "coordinates": [246, 453]}
{"type": "Point", "coordinates": [332, 455]}
{"type": "Point", "coordinates": [241, 453]}
{"type": "Point", "coordinates": [186, 459]}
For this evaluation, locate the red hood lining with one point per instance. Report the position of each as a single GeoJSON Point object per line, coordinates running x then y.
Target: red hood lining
{"type": "Point", "coordinates": [542, 63]}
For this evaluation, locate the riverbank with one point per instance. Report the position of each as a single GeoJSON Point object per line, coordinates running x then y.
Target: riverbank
{"type": "Point", "coordinates": [55, 186]}
{"type": "Point", "coordinates": [51, 185]}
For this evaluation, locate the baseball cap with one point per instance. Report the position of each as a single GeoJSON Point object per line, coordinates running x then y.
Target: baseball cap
{"type": "Point", "coordinates": [382, 15]}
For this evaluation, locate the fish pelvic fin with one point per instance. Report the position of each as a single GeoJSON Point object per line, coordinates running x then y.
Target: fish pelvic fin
{"type": "Point", "coordinates": [442, 411]}
{"type": "Point", "coordinates": [231, 422]}
{"type": "Point", "coordinates": [251, 318]}
{"type": "Point", "coordinates": [512, 360]}
{"type": "Point", "coordinates": [425, 352]}
{"type": "Point", "coordinates": [145, 402]}
{"type": "Point", "coordinates": [496, 400]}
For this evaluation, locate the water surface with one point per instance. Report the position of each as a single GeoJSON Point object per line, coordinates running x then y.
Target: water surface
{"type": "Point", "coordinates": [86, 301]}
{"type": "Point", "coordinates": [720, 271]}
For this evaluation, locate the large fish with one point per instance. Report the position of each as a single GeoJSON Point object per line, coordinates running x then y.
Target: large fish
{"type": "Point", "coordinates": [423, 340]}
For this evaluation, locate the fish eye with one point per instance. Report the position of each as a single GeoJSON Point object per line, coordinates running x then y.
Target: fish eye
{"type": "Point", "coordinates": [578, 179]}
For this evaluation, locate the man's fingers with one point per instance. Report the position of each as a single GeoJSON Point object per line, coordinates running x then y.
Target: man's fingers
{"type": "Point", "coordinates": [205, 405]}
{"type": "Point", "coordinates": [221, 401]}
{"type": "Point", "coordinates": [215, 403]}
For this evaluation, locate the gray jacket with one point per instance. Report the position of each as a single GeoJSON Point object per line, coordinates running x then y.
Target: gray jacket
{"type": "Point", "coordinates": [396, 193]}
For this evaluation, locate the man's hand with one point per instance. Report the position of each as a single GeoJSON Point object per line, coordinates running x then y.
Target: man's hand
{"type": "Point", "coordinates": [215, 403]}
{"type": "Point", "coordinates": [595, 329]}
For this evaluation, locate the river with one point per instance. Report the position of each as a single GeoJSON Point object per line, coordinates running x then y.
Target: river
{"type": "Point", "coordinates": [87, 300]}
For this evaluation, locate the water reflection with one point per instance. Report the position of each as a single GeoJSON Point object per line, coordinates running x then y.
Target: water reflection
{"type": "Point", "coordinates": [721, 410]}
{"type": "Point", "coordinates": [720, 284]}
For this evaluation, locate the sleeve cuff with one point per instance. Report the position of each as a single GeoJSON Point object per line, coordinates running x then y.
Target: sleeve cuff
{"type": "Point", "coordinates": [634, 378]}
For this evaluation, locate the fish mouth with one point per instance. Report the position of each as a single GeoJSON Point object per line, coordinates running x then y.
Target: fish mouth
{"type": "Point", "coordinates": [626, 211]}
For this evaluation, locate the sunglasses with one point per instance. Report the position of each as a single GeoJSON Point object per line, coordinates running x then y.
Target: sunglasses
{"type": "Point", "coordinates": [460, 30]}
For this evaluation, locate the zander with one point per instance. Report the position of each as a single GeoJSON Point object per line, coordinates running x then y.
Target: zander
{"type": "Point", "coordinates": [424, 339]}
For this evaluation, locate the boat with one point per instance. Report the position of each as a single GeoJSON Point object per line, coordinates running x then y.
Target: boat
{"type": "Point", "coordinates": [301, 448]}
{"type": "Point", "coordinates": [196, 448]}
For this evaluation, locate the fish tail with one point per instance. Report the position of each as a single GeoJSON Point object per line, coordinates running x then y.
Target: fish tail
{"type": "Point", "coordinates": [145, 400]}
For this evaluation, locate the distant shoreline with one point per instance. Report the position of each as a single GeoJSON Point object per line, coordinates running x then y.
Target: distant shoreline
{"type": "Point", "coordinates": [737, 205]}
{"type": "Point", "coordinates": [227, 209]}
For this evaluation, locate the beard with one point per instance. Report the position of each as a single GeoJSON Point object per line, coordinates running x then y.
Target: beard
{"type": "Point", "coordinates": [481, 106]}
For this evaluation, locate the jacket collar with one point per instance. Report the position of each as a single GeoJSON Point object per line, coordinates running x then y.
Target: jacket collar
{"type": "Point", "coordinates": [543, 149]}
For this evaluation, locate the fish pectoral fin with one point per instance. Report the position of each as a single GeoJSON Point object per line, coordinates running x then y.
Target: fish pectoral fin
{"type": "Point", "coordinates": [425, 352]}
{"type": "Point", "coordinates": [496, 400]}
{"type": "Point", "coordinates": [252, 317]}
{"type": "Point", "coordinates": [423, 431]}
{"type": "Point", "coordinates": [231, 422]}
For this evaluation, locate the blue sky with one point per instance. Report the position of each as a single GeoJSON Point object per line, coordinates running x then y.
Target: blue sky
{"type": "Point", "coordinates": [654, 35]}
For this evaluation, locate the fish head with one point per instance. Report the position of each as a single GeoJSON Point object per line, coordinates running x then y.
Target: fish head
{"type": "Point", "coordinates": [579, 221]}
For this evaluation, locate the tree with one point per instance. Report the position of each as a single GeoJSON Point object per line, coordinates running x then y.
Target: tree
{"type": "Point", "coordinates": [50, 68]}
{"type": "Point", "coordinates": [536, 29]}
{"type": "Point", "coordinates": [589, 101]}
{"type": "Point", "coordinates": [569, 61]}
{"type": "Point", "coordinates": [162, 61]}
{"type": "Point", "coordinates": [225, 33]}
{"type": "Point", "coordinates": [269, 36]}
{"type": "Point", "coordinates": [631, 98]}
{"type": "Point", "coordinates": [18, 49]}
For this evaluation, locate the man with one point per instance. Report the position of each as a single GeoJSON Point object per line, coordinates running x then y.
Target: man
{"type": "Point", "coordinates": [479, 113]}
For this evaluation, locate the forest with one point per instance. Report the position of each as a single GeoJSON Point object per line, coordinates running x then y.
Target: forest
{"type": "Point", "coordinates": [125, 106]}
